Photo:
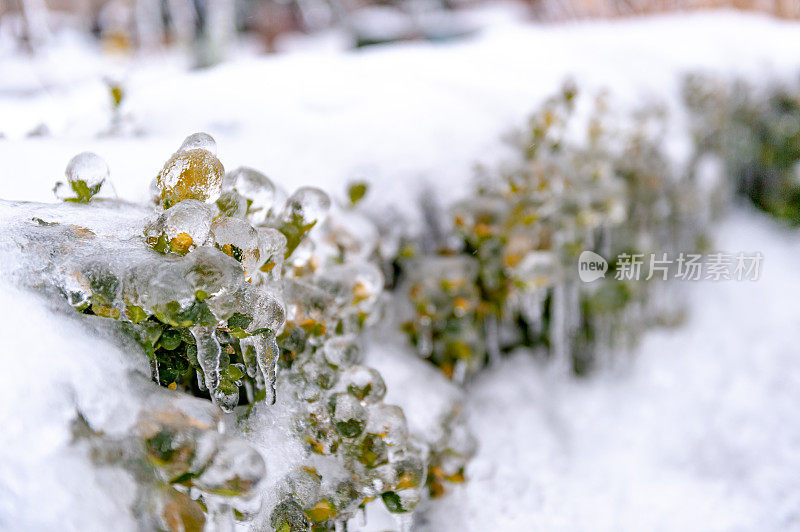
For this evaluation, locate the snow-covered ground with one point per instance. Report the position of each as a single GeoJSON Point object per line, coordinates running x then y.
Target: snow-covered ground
{"type": "Point", "coordinates": [395, 115]}
{"type": "Point", "coordinates": [698, 434]}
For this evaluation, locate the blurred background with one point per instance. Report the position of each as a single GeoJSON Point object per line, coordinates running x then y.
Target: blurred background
{"type": "Point", "coordinates": [693, 429]}
{"type": "Point", "coordinates": [207, 29]}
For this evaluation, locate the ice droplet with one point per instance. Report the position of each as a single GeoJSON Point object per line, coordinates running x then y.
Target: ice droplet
{"type": "Point", "coordinates": [192, 174]}
{"type": "Point", "coordinates": [349, 416]}
{"type": "Point", "coordinates": [226, 397]}
{"type": "Point", "coordinates": [256, 188]}
{"type": "Point", "coordinates": [306, 206]}
{"type": "Point", "coordinates": [235, 468]}
{"type": "Point", "coordinates": [357, 284]}
{"type": "Point", "coordinates": [89, 168]}
{"type": "Point", "coordinates": [232, 204]}
{"type": "Point", "coordinates": [199, 141]}
{"type": "Point", "coordinates": [211, 271]}
{"type": "Point", "coordinates": [341, 351]}
{"type": "Point", "coordinates": [185, 226]}
{"type": "Point", "coordinates": [272, 247]}
{"type": "Point", "coordinates": [390, 422]}
{"type": "Point", "coordinates": [352, 234]}
{"type": "Point", "coordinates": [86, 173]}
{"type": "Point", "coordinates": [237, 238]}
{"type": "Point", "coordinates": [364, 383]}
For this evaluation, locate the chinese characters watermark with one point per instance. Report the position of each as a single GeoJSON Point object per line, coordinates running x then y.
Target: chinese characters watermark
{"type": "Point", "coordinates": [740, 266]}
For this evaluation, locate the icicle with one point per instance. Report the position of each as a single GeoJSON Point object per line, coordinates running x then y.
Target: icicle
{"type": "Point", "coordinates": [221, 516]}
{"type": "Point", "coordinates": [226, 398]}
{"type": "Point", "coordinates": [249, 355]}
{"type": "Point", "coordinates": [208, 355]}
{"type": "Point", "coordinates": [267, 358]}
{"type": "Point", "coordinates": [201, 380]}
{"type": "Point", "coordinates": [248, 389]}
{"type": "Point", "coordinates": [425, 344]}
{"type": "Point", "coordinates": [403, 521]}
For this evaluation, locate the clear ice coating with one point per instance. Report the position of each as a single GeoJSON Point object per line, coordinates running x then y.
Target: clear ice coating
{"type": "Point", "coordinates": [232, 204]}
{"type": "Point", "coordinates": [341, 351]}
{"type": "Point", "coordinates": [364, 383]}
{"type": "Point", "coordinates": [257, 190]}
{"type": "Point", "coordinates": [209, 354]}
{"type": "Point", "coordinates": [389, 422]}
{"type": "Point", "coordinates": [199, 141]}
{"type": "Point", "coordinates": [306, 206]}
{"type": "Point", "coordinates": [238, 239]}
{"type": "Point", "coordinates": [268, 311]}
{"type": "Point", "coordinates": [349, 416]}
{"type": "Point", "coordinates": [86, 173]}
{"type": "Point", "coordinates": [272, 248]}
{"type": "Point", "coordinates": [89, 168]}
{"type": "Point", "coordinates": [191, 173]}
{"type": "Point", "coordinates": [183, 227]}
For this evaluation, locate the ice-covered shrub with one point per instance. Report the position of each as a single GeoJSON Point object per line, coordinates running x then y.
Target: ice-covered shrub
{"type": "Point", "coordinates": [189, 475]}
{"type": "Point", "coordinates": [225, 292]}
{"type": "Point", "coordinates": [506, 273]}
{"type": "Point", "coordinates": [756, 133]}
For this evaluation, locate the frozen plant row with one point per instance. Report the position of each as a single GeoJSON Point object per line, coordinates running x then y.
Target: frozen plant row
{"type": "Point", "coordinates": [220, 285]}
{"type": "Point", "coordinates": [503, 272]}
{"type": "Point", "coordinates": [756, 135]}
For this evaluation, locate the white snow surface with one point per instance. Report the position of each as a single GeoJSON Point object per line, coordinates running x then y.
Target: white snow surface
{"type": "Point", "coordinates": [697, 433]}
{"type": "Point", "coordinates": [396, 115]}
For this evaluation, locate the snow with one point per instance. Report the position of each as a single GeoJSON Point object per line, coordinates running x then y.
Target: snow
{"type": "Point", "coordinates": [695, 432]}
{"type": "Point", "coordinates": [397, 115]}
{"type": "Point", "coordinates": [54, 368]}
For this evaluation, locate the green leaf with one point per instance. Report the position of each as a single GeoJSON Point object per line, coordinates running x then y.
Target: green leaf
{"type": "Point", "coordinates": [392, 502]}
{"type": "Point", "coordinates": [83, 191]}
{"type": "Point", "coordinates": [356, 191]}
{"type": "Point", "coordinates": [135, 313]}
{"type": "Point", "coordinates": [239, 320]}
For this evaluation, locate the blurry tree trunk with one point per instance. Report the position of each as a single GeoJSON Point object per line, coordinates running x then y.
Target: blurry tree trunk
{"type": "Point", "coordinates": [149, 23]}
{"type": "Point", "coordinates": [183, 21]}
{"type": "Point", "coordinates": [220, 26]}
{"type": "Point", "coordinates": [206, 48]}
{"type": "Point", "coordinates": [34, 17]}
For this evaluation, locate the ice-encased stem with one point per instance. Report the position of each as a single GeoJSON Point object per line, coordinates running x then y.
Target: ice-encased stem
{"type": "Point", "coordinates": [266, 358]}
{"type": "Point", "coordinates": [209, 353]}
